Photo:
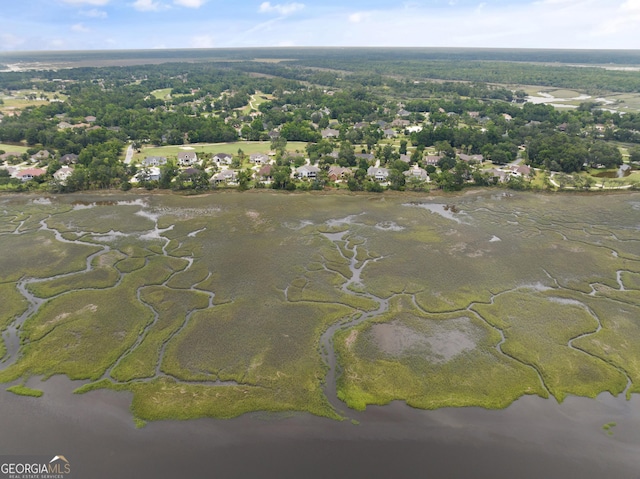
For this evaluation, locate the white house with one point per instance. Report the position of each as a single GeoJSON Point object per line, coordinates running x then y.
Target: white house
{"type": "Point", "coordinates": [187, 158]}
{"type": "Point", "coordinates": [380, 174]}
{"type": "Point", "coordinates": [307, 171]}
{"type": "Point", "coordinates": [154, 161]}
{"type": "Point", "coordinates": [259, 158]}
{"type": "Point", "coordinates": [417, 172]}
{"type": "Point", "coordinates": [63, 174]}
{"type": "Point", "coordinates": [149, 174]}
{"type": "Point", "coordinates": [222, 158]}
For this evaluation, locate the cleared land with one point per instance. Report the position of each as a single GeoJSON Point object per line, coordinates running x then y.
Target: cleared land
{"type": "Point", "coordinates": [248, 147]}
{"type": "Point", "coordinates": [215, 305]}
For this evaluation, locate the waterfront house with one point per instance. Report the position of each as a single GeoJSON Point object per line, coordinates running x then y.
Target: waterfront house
{"type": "Point", "coordinates": [187, 158]}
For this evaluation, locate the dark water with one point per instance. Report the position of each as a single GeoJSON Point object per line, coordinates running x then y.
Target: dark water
{"type": "Point", "coordinates": [534, 438]}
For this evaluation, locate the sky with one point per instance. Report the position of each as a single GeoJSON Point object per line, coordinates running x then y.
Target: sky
{"type": "Point", "coordinates": [146, 24]}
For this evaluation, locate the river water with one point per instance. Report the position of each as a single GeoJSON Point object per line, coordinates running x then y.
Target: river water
{"type": "Point", "coordinates": [533, 438]}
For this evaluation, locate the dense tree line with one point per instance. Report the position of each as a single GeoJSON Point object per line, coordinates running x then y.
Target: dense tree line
{"type": "Point", "coordinates": [208, 102]}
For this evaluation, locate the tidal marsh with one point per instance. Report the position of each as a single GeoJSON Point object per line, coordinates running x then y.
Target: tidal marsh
{"type": "Point", "coordinates": [215, 305]}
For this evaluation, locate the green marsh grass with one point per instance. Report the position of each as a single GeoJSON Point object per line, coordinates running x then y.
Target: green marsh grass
{"type": "Point", "coordinates": [474, 375]}
{"type": "Point", "coordinates": [104, 275]}
{"type": "Point", "coordinates": [248, 248]}
{"type": "Point", "coordinates": [21, 390]}
{"type": "Point", "coordinates": [172, 307]}
{"type": "Point", "coordinates": [39, 255]}
{"type": "Point", "coordinates": [538, 329]}
{"type": "Point", "coordinates": [12, 305]}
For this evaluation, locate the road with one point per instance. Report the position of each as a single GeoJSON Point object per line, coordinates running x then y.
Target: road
{"type": "Point", "coordinates": [129, 157]}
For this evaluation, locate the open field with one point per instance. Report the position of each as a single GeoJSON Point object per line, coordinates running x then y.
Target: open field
{"type": "Point", "coordinates": [19, 99]}
{"type": "Point", "coordinates": [215, 305]}
{"type": "Point", "coordinates": [248, 147]}
{"type": "Point", "coordinates": [17, 148]}
{"type": "Point", "coordinates": [163, 94]}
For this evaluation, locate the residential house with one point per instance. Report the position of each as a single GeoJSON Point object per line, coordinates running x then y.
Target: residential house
{"type": "Point", "coordinates": [63, 174]}
{"type": "Point", "coordinates": [69, 159]}
{"type": "Point", "coordinates": [398, 122]}
{"type": "Point", "coordinates": [417, 172]}
{"type": "Point", "coordinates": [405, 158]}
{"type": "Point", "coordinates": [379, 174]}
{"type": "Point", "coordinates": [307, 171]}
{"type": "Point", "coordinates": [191, 172]}
{"type": "Point", "coordinates": [229, 177]}
{"type": "Point", "coordinates": [468, 158]}
{"type": "Point", "coordinates": [90, 119]}
{"type": "Point", "coordinates": [30, 174]}
{"type": "Point", "coordinates": [222, 159]}
{"type": "Point", "coordinates": [520, 170]}
{"type": "Point", "coordinates": [273, 134]}
{"type": "Point", "coordinates": [154, 161]}
{"type": "Point", "coordinates": [150, 174]}
{"type": "Point", "coordinates": [265, 173]}
{"type": "Point", "coordinates": [41, 155]}
{"type": "Point", "coordinates": [403, 112]}
{"type": "Point", "coordinates": [389, 133]}
{"type": "Point", "coordinates": [330, 133]}
{"type": "Point", "coordinates": [9, 155]}
{"type": "Point", "coordinates": [338, 173]}
{"type": "Point", "coordinates": [624, 170]}
{"type": "Point", "coordinates": [499, 176]}
{"type": "Point", "coordinates": [359, 125]}
{"type": "Point", "coordinates": [432, 160]}
{"type": "Point", "coordinates": [259, 158]}
{"type": "Point", "coordinates": [63, 125]}
{"type": "Point", "coordinates": [187, 158]}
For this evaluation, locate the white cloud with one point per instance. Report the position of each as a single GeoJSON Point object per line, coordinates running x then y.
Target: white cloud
{"type": "Point", "coordinates": [94, 13]}
{"type": "Point", "coordinates": [631, 6]}
{"type": "Point", "coordinates": [358, 17]}
{"type": "Point", "coordinates": [578, 24]}
{"type": "Point", "coordinates": [9, 41]}
{"type": "Point", "coordinates": [146, 5]}
{"type": "Point", "coordinates": [80, 28]}
{"type": "Point", "coordinates": [281, 8]}
{"type": "Point", "coordinates": [87, 2]}
{"type": "Point", "coordinates": [202, 41]}
{"type": "Point", "coordinates": [189, 3]}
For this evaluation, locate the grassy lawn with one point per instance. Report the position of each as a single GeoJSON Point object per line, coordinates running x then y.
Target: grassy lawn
{"type": "Point", "coordinates": [18, 100]}
{"type": "Point", "coordinates": [255, 101]}
{"type": "Point", "coordinates": [248, 147]}
{"type": "Point", "coordinates": [163, 94]}
{"type": "Point", "coordinates": [566, 94]}
{"type": "Point", "coordinates": [17, 148]}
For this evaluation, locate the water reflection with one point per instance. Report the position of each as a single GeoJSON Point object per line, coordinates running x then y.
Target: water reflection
{"type": "Point", "coordinates": [532, 438]}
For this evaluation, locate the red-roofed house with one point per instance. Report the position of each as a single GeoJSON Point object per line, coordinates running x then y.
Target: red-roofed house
{"type": "Point", "coordinates": [29, 174]}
